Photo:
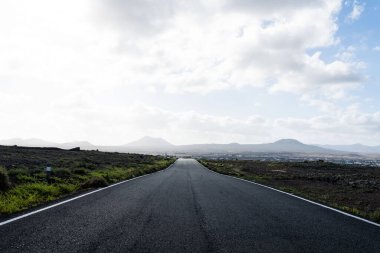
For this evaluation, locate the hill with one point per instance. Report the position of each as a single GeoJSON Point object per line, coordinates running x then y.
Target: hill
{"type": "Point", "coordinates": [148, 141]}
{"type": "Point", "coordinates": [283, 145]}
{"type": "Point", "coordinates": [355, 148]}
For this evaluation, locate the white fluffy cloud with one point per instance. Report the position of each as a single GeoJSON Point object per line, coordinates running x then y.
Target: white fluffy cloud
{"type": "Point", "coordinates": [60, 61]}
{"type": "Point", "coordinates": [357, 10]}
{"type": "Point", "coordinates": [178, 46]}
{"type": "Point", "coordinates": [70, 119]}
{"type": "Point", "coordinates": [81, 119]}
{"type": "Point", "coordinates": [204, 46]}
{"type": "Point", "coordinates": [345, 127]}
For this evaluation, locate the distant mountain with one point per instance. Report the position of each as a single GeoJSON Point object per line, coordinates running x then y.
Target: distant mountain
{"type": "Point", "coordinates": [290, 145]}
{"type": "Point", "coordinates": [288, 142]}
{"type": "Point", "coordinates": [158, 146]}
{"type": "Point", "coordinates": [27, 142]}
{"type": "Point", "coordinates": [42, 143]}
{"type": "Point", "coordinates": [283, 145]}
{"type": "Point", "coordinates": [82, 144]}
{"type": "Point", "coordinates": [148, 141]}
{"type": "Point", "coordinates": [355, 148]}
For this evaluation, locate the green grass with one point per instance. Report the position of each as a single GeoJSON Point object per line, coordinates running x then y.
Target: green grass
{"type": "Point", "coordinates": [24, 184]}
{"type": "Point", "coordinates": [26, 195]}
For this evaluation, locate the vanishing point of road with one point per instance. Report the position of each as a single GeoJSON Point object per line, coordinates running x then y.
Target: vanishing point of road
{"type": "Point", "coordinates": [187, 208]}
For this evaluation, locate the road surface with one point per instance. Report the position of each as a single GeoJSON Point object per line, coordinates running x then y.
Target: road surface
{"type": "Point", "coordinates": [187, 208]}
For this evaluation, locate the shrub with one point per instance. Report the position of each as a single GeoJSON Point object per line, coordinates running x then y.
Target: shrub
{"type": "Point", "coordinates": [27, 195]}
{"type": "Point", "coordinates": [4, 179]}
{"type": "Point", "coordinates": [94, 182]}
{"type": "Point", "coordinates": [67, 188]}
{"type": "Point", "coordinates": [41, 190]}
{"type": "Point", "coordinates": [62, 173]}
{"type": "Point", "coordinates": [85, 165]}
{"type": "Point", "coordinates": [80, 171]}
{"type": "Point", "coordinates": [34, 171]}
{"type": "Point", "coordinates": [375, 215]}
{"type": "Point", "coordinates": [18, 175]}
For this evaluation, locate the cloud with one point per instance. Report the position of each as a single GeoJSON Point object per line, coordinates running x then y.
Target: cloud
{"type": "Point", "coordinates": [377, 48]}
{"type": "Point", "coordinates": [181, 127]}
{"type": "Point", "coordinates": [317, 77]}
{"type": "Point", "coordinates": [322, 105]}
{"type": "Point", "coordinates": [78, 117]}
{"type": "Point", "coordinates": [176, 46]}
{"type": "Point", "coordinates": [138, 17]}
{"type": "Point", "coordinates": [71, 118]}
{"type": "Point", "coordinates": [357, 10]}
{"type": "Point", "coordinates": [349, 125]}
{"type": "Point", "coordinates": [203, 46]}
{"type": "Point", "coordinates": [264, 7]}
{"type": "Point", "coordinates": [344, 126]}
{"type": "Point", "coordinates": [94, 69]}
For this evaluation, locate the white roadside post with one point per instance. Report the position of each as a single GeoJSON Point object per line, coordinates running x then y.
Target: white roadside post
{"type": "Point", "coordinates": [48, 173]}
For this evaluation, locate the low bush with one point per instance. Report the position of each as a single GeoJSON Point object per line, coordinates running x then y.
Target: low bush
{"type": "Point", "coordinates": [375, 215]}
{"type": "Point", "coordinates": [42, 190]}
{"type": "Point", "coordinates": [95, 182]}
{"type": "Point", "coordinates": [24, 183]}
{"type": "Point", "coordinates": [80, 171]}
{"type": "Point", "coordinates": [67, 188]}
{"type": "Point", "coordinates": [86, 165]}
{"type": "Point", "coordinates": [61, 173]}
{"type": "Point", "coordinates": [26, 195]}
{"type": "Point", "coordinates": [18, 175]}
{"type": "Point", "coordinates": [4, 179]}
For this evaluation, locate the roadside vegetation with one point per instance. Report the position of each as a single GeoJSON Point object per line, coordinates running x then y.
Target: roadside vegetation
{"type": "Point", "coordinates": [351, 188]}
{"type": "Point", "coordinates": [24, 183]}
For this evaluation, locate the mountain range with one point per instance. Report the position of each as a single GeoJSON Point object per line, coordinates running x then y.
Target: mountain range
{"type": "Point", "coordinates": [355, 148]}
{"type": "Point", "coordinates": [158, 145]}
{"type": "Point", "coordinates": [42, 143]}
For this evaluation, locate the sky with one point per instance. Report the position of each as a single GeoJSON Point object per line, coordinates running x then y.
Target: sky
{"type": "Point", "coordinates": [215, 71]}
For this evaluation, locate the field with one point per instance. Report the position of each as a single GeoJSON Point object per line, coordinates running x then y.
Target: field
{"type": "Point", "coordinates": [351, 188]}
{"type": "Point", "coordinates": [24, 183]}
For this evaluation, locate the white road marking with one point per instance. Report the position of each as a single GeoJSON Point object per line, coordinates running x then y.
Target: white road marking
{"type": "Point", "coordinates": [268, 187]}
{"type": "Point", "coordinates": [78, 197]}
{"type": "Point", "coordinates": [298, 197]}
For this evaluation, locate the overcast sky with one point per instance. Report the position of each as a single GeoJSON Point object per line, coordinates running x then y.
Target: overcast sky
{"type": "Point", "coordinates": [112, 71]}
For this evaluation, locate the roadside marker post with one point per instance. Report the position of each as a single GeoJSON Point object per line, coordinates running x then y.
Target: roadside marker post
{"type": "Point", "coordinates": [48, 170]}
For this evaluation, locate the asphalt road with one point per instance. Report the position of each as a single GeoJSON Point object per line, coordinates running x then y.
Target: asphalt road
{"type": "Point", "coordinates": [188, 208]}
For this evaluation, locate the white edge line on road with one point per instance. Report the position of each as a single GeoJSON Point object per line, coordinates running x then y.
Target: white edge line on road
{"type": "Point", "coordinates": [77, 197]}
{"type": "Point", "coordinates": [298, 197]}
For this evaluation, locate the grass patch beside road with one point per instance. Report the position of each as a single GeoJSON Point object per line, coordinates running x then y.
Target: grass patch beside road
{"type": "Point", "coordinates": [23, 182]}
{"type": "Point", "coordinates": [351, 188]}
